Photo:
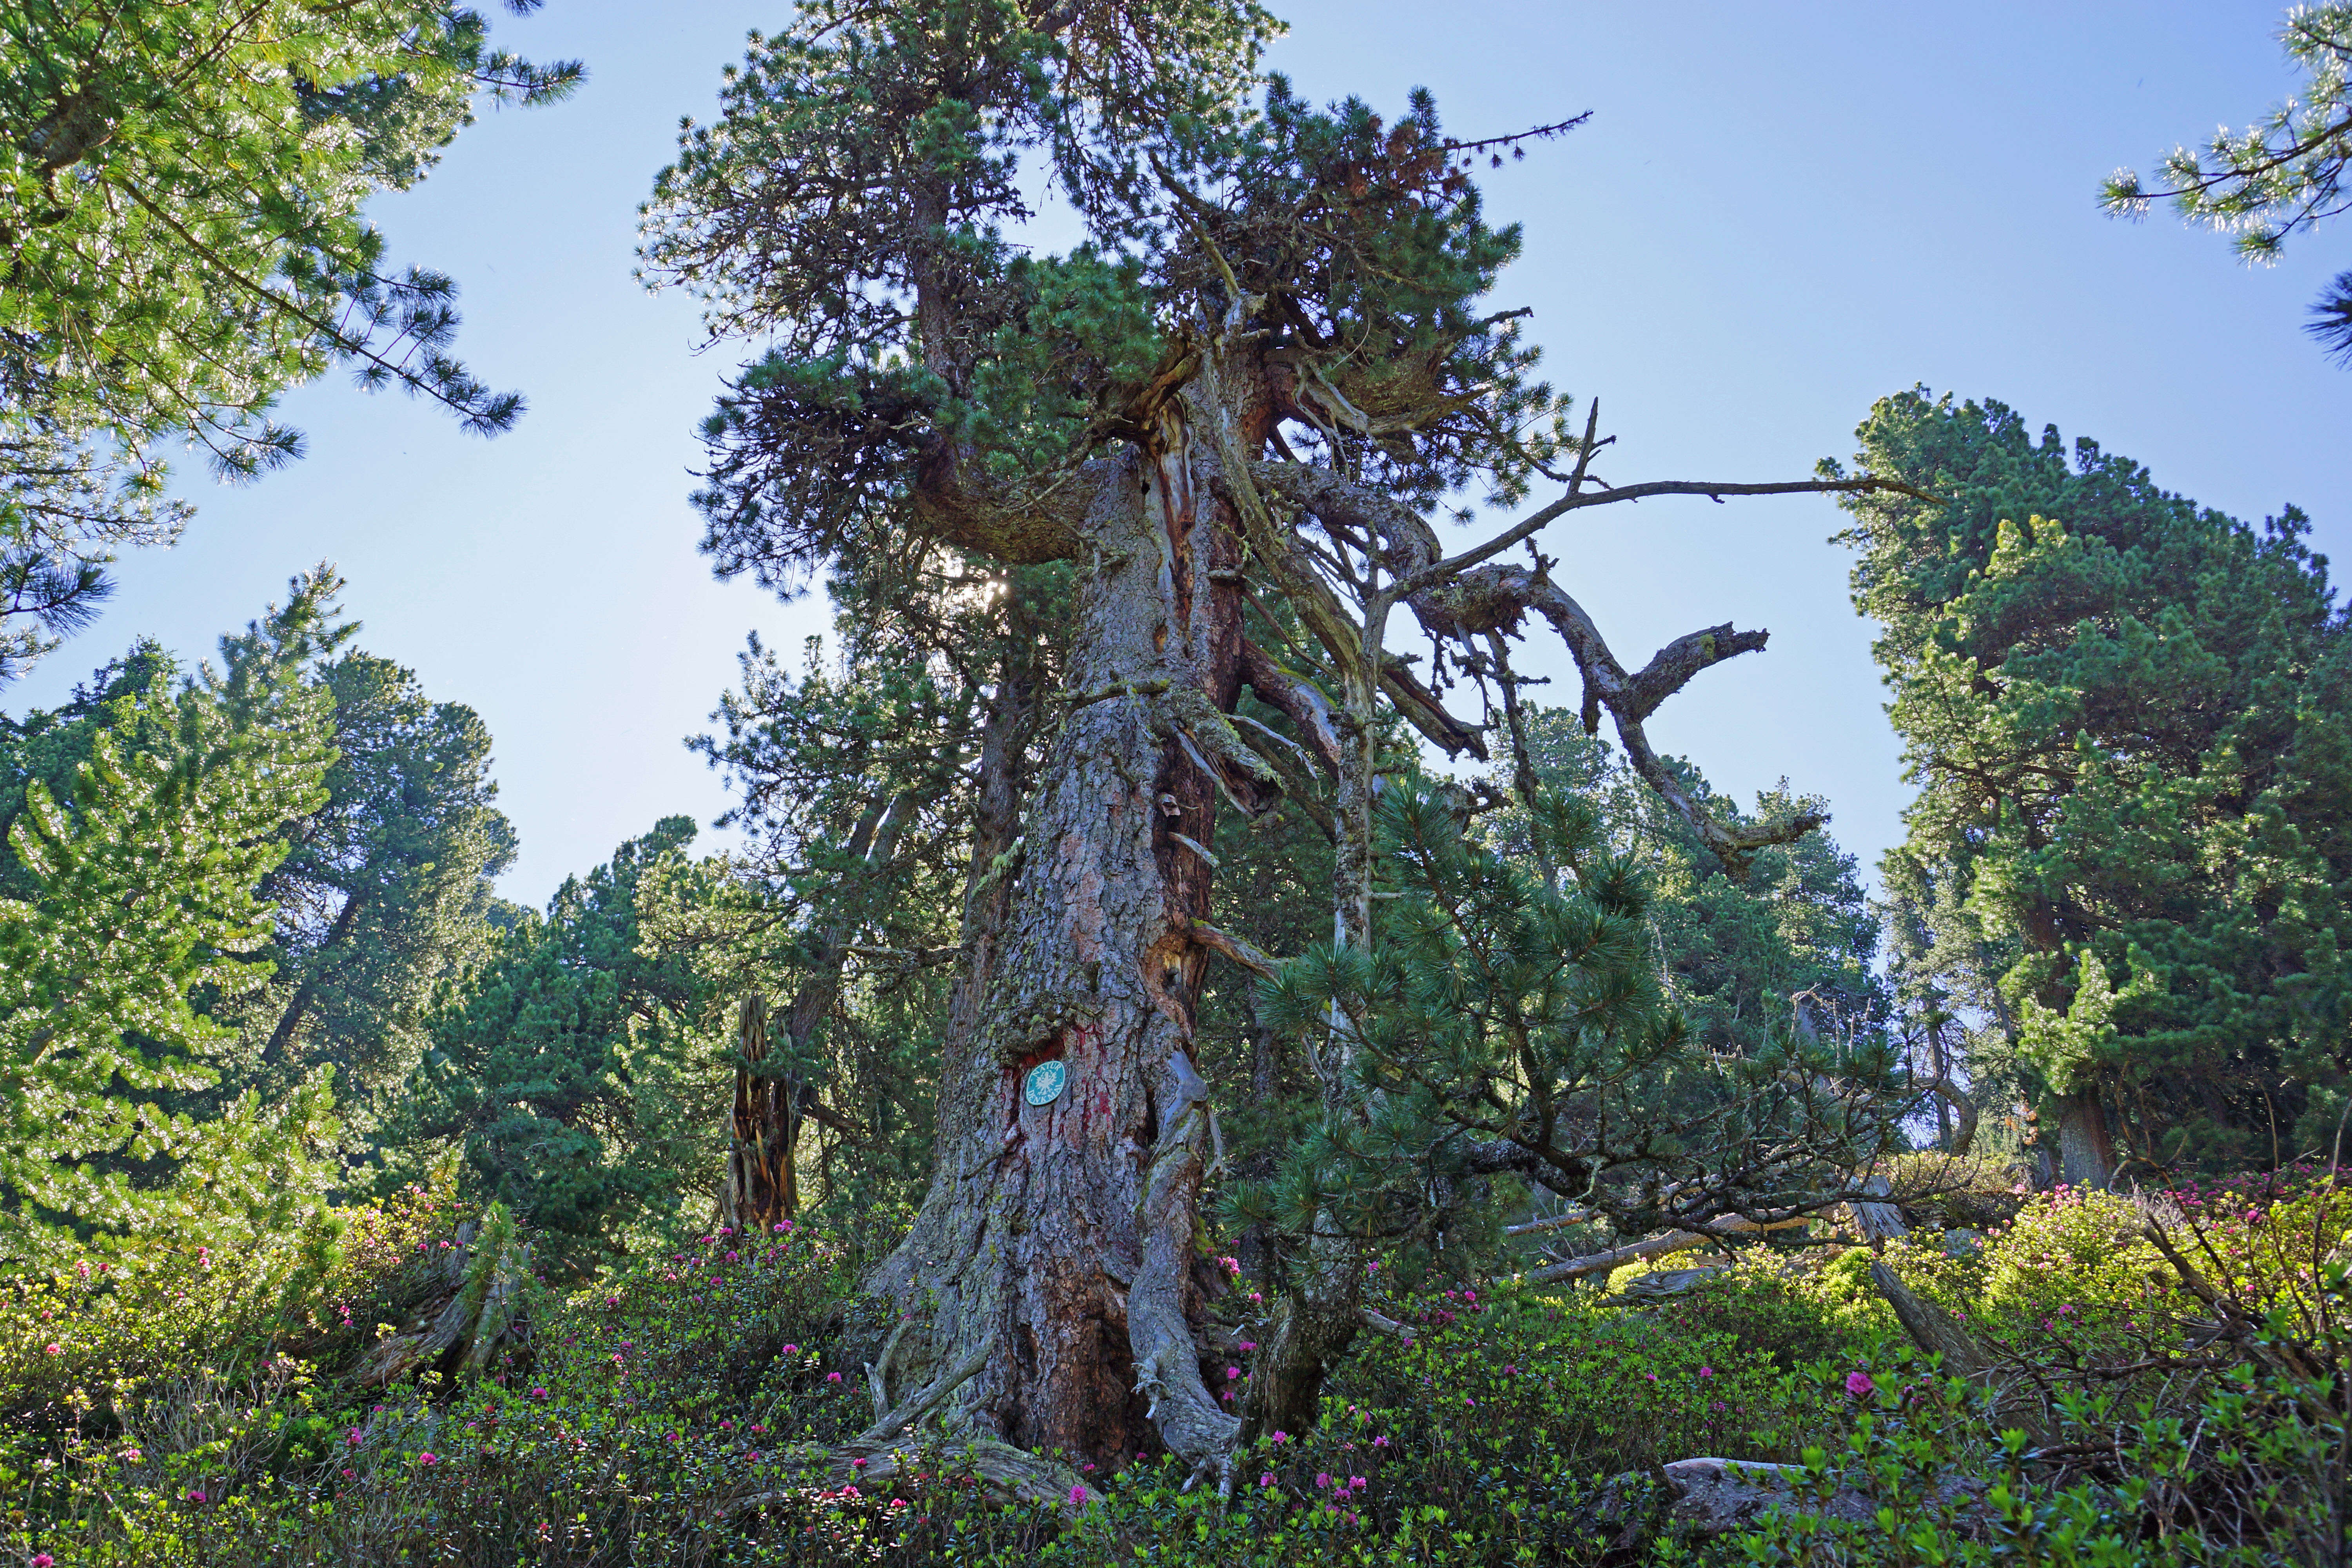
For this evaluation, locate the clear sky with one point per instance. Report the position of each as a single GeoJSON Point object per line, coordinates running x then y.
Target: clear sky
{"type": "Point", "coordinates": [1777, 214]}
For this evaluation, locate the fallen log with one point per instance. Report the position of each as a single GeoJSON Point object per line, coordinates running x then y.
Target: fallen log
{"type": "Point", "coordinates": [1674, 1241]}
{"type": "Point", "coordinates": [472, 1312]}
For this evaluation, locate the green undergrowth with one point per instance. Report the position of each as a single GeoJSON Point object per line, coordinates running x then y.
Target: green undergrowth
{"type": "Point", "coordinates": [667, 1413]}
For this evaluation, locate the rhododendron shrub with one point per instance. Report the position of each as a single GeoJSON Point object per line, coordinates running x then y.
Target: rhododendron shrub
{"type": "Point", "coordinates": [690, 1407]}
{"type": "Point", "coordinates": [96, 1333]}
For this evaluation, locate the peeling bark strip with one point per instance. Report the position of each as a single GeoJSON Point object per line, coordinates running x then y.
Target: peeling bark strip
{"type": "Point", "coordinates": [761, 1188]}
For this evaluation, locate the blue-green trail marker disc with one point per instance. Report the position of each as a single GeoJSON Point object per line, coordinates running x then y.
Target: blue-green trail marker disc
{"type": "Point", "coordinates": [1045, 1082]}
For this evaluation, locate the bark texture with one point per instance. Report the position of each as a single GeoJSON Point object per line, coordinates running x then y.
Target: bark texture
{"type": "Point", "coordinates": [2086, 1151]}
{"type": "Point", "coordinates": [1057, 1244]}
{"type": "Point", "coordinates": [762, 1183]}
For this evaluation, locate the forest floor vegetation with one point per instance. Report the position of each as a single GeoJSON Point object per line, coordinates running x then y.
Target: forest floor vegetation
{"type": "Point", "coordinates": [2159, 1380]}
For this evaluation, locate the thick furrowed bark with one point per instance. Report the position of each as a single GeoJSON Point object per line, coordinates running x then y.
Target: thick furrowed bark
{"type": "Point", "coordinates": [1056, 1243]}
{"type": "Point", "coordinates": [2086, 1151]}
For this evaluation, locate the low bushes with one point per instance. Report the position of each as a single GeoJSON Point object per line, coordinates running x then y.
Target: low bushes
{"type": "Point", "coordinates": [2172, 1402]}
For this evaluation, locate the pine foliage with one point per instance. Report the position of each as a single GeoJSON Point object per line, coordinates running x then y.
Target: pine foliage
{"type": "Point", "coordinates": [2263, 184]}
{"type": "Point", "coordinates": [2127, 716]}
{"type": "Point", "coordinates": [138, 896]}
{"type": "Point", "coordinates": [182, 228]}
{"type": "Point", "coordinates": [1511, 1021]}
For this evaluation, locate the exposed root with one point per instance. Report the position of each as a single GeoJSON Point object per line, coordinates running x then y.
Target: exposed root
{"type": "Point", "coordinates": [1015, 1474]}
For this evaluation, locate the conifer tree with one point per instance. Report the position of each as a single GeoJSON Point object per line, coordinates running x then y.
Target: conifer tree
{"type": "Point", "coordinates": [1268, 363]}
{"type": "Point", "coordinates": [2127, 716]}
{"type": "Point", "coordinates": [384, 894]}
{"type": "Point", "coordinates": [575, 1074]}
{"type": "Point", "coordinates": [2267, 183]}
{"type": "Point", "coordinates": [1512, 1014]}
{"type": "Point", "coordinates": [856, 790]}
{"type": "Point", "coordinates": [182, 241]}
{"type": "Point", "coordinates": [135, 890]}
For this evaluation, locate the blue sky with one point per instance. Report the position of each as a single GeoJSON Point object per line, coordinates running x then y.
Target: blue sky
{"type": "Point", "coordinates": [1777, 215]}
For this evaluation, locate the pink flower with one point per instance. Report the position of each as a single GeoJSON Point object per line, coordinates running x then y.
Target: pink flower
{"type": "Point", "coordinates": [196, 1497]}
{"type": "Point", "coordinates": [56, 1350]}
{"type": "Point", "coordinates": [1249, 1344]}
{"type": "Point", "coordinates": [1232, 1373]}
{"type": "Point", "coordinates": [1282, 1437]}
{"type": "Point", "coordinates": [1267, 1479]}
{"type": "Point", "coordinates": [1322, 1479]}
{"type": "Point", "coordinates": [352, 1437]}
{"type": "Point", "coordinates": [538, 1394]}
{"type": "Point", "coordinates": [42, 1560]}
{"type": "Point", "coordinates": [1706, 1371]}
{"type": "Point", "coordinates": [1858, 1383]}
{"type": "Point", "coordinates": [427, 1459]}
{"type": "Point", "coordinates": [832, 1377]}
{"type": "Point", "coordinates": [1078, 1494]}
{"type": "Point", "coordinates": [1357, 1483]}
{"type": "Point", "coordinates": [859, 1463]}
{"type": "Point", "coordinates": [792, 1350]}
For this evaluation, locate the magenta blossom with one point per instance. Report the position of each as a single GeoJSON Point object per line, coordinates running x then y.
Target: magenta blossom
{"type": "Point", "coordinates": [1858, 1383]}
